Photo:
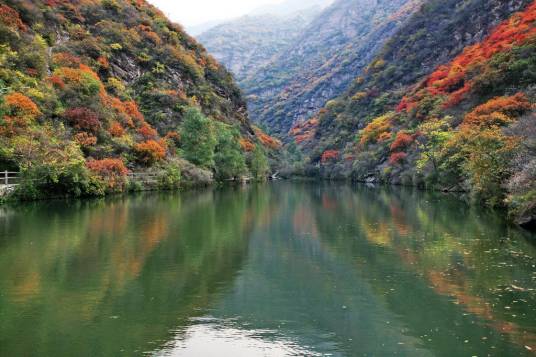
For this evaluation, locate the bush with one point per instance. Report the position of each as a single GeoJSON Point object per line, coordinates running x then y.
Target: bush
{"type": "Point", "coordinates": [46, 181]}
{"type": "Point", "coordinates": [149, 152]}
{"type": "Point", "coordinates": [112, 173]}
{"type": "Point", "coordinates": [170, 179]}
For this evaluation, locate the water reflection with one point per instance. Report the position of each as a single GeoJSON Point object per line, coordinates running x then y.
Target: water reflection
{"type": "Point", "coordinates": [277, 270]}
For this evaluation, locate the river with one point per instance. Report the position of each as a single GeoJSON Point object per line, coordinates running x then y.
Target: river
{"type": "Point", "coordinates": [283, 269]}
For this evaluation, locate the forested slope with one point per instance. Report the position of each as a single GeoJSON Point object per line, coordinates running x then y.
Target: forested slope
{"type": "Point", "coordinates": [323, 60]}
{"type": "Point", "coordinates": [91, 89]}
{"type": "Point", "coordinates": [447, 103]}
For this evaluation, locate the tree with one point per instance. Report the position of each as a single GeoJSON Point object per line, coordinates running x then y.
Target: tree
{"type": "Point", "coordinates": [198, 138]}
{"type": "Point", "coordinates": [229, 159]}
{"type": "Point", "coordinates": [258, 165]}
{"type": "Point", "coordinates": [433, 135]}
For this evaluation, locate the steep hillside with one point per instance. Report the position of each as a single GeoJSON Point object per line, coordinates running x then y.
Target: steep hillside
{"type": "Point", "coordinates": [448, 102]}
{"type": "Point", "coordinates": [91, 89]}
{"type": "Point", "coordinates": [246, 44]}
{"type": "Point", "coordinates": [323, 61]}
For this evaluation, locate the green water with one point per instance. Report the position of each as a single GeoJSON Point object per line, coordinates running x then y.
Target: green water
{"type": "Point", "coordinates": [276, 270]}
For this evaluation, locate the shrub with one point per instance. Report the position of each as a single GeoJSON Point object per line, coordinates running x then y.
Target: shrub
{"type": "Point", "coordinates": [112, 172]}
{"type": "Point", "coordinates": [116, 130]}
{"type": "Point", "coordinates": [150, 151]}
{"type": "Point", "coordinates": [147, 131]}
{"type": "Point", "coordinates": [83, 119]}
{"type": "Point", "coordinates": [377, 127]}
{"type": "Point", "coordinates": [20, 105]}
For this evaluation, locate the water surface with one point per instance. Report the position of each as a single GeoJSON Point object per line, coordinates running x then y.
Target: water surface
{"type": "Point", "coordinates": [274, 270]}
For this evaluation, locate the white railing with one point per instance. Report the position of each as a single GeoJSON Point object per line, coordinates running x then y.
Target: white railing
{"type": "Point", "coordinates": [9, 178]}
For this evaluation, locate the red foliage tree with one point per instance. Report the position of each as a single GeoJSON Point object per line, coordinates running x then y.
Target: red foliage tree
{"type": "Point", "coordinates": [83, 119]}
{"type": "Point", "coordinates": [402, 141]}
{"type": "Point", "coordinates": [11, 18]}
{"type": "Point", "coordinates": [397, 158]}
{"type": "Point", "coordinates": [330, 155]}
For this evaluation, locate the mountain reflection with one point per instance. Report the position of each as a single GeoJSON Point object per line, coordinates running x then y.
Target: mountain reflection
{"type": "Point", "coordinates": [271, 270]}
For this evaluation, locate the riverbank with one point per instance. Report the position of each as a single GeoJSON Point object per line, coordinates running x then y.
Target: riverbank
{"type": "Point", "coordinates": [522, 214]}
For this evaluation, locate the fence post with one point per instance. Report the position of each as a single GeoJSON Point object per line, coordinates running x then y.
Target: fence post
{"type": "Point", "coordinates": [6, 178]}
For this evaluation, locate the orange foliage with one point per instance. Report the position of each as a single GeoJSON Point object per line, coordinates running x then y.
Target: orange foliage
{"type": "Point", "coordinates": [379, 128]}
{"type": "Point", "coordinates": [330, 155]}
{"type": "Point", "coordinates": [116, 130]}
{"type": "Point", "coordinates": [131, 108]}
{"type": "Point", "coordinates": [21, 106]}
{"type": "Point", "coordinates": [247, 145]}
{"type": "Point", "coordinates": [150, 34]}
{"type": "Point", "coordinates": [85, 139]}
{"type": "Point", "coordinates": [498, 111]}
{"type": "Point", "coordinates": [266, 140]}
{"type": "Point", "coordinates": [57, 82]}
{"type": "Point", "coordinates": [108, 166]}
{"type": "Point", "coordinates": [151, 151]}
{"type": "Point", "coordinates": [173, 136]}
{"type": "Point", "coordinates": [113, 171]}
{"type": "Point", "coordinates": [103, 62]}
{"type": "Point", "coordinates": [304, 131]}
{"type": "Point", "coordinates": [11, 18]}
{"type": "Point", "coordinates": [147, 131]}
{"type": "Point", "coordinates": [402, 141]}
{"type": "Point", "coordinates": [384, 136]}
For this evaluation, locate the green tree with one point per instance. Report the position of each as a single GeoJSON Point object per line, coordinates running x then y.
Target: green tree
{"type": "Point", "coordinates": [259, 166]}
{"type": "Point", "coordinates": [198, 138]}
{"type": "Point", "coordinates": [229, 159]}
{"type": "Point", "coordinates": [434, 135]}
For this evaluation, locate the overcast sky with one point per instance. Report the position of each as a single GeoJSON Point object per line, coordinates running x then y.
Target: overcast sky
{"type": "Point", "coordinates": [194, 12]}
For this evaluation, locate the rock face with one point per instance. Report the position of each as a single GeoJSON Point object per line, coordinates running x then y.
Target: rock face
{"type": "Point", "coordinates": [332, 51]}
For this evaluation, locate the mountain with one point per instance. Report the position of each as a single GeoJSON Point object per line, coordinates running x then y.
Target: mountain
{"type": "Point", "coordinates": [197, 30]}
{"type": "Point", "coordinates": [290, 7]}
{"type": "Point", "coordinates": [448, 102]}
{"type": "Point", "coordinates": [91, 89]}
{"type": "Point", "coordinates": [249, 43]}
{"type": "Point", "coordinates": [331, 52]}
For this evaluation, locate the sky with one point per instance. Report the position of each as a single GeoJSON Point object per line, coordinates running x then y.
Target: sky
{"type": "Point", "coordinates": [196, 12]}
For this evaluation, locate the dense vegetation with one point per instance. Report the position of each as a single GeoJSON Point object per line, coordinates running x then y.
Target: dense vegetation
{"type": "Point", "coordinates": [467, 125]}
{"type": "Point", "coordinates": [91, 90]}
